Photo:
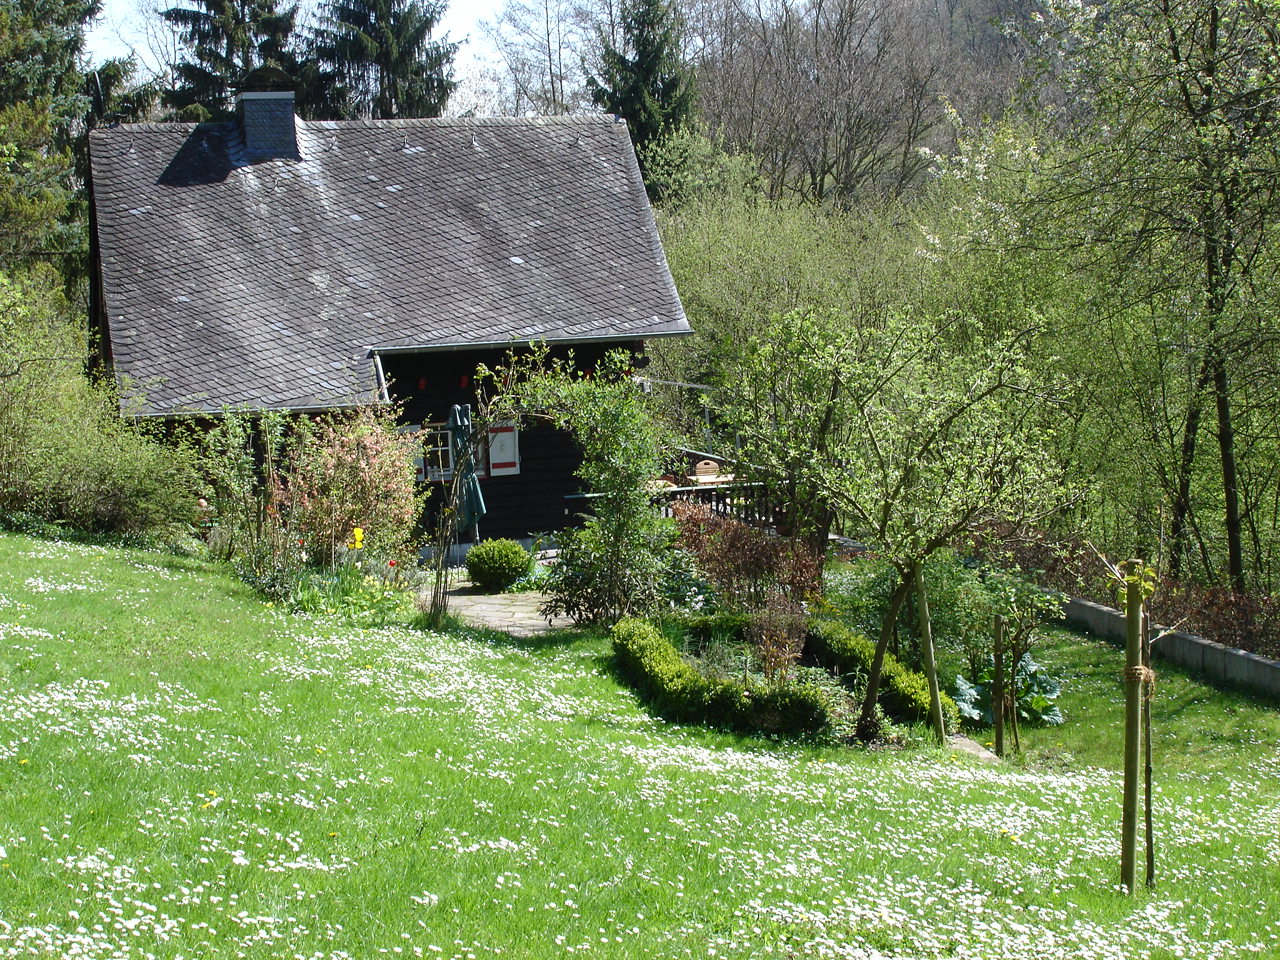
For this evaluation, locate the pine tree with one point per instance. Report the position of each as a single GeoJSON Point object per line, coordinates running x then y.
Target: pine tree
{"type": "Point", "coordinates": [41, 104]}
{"type": "Point", "coordinates": [225, 40]}
{"type": "Point", "coordinates": [384, 58]}
{"type": "Point", "coordinates": [642, 79]}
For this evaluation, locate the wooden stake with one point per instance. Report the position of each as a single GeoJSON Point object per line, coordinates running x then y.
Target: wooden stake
{"type": "Point", "coordinates": [997, 686]}
{"type": "Point", "coordinates": [926, 652]}
{"type": "Point", "coordinates": [1132, 723]}
{"type": "Point", "coordinates": [1147, 692]}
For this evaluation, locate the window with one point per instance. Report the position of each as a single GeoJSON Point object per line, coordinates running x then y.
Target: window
{"type": "Point", "coordinates": [435, 463]}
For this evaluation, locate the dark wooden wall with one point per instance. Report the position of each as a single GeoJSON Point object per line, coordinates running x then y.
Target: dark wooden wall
{"type": "Point", "coordinates": [532, 501]}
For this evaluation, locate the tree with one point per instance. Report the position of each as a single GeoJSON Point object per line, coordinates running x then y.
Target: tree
{"type": "Point", "coordinates": [612, 566]}
{"type": "Point", "coordinates": [835, 100]}
{"type": "Point", "coordinates": [224, 41]}
{"type": "Point", "coordinates": [642, 77]}
{"type": "Point", "coordinates": [540, 44]}
{"type": "Point", "coordinates": [384, 58]}
{"type": "Point", "coordinates": [912, 427]}
{"type": "Point", "coordinates": [41, 103]}
{"type": "Point", "coordinates": [1178, 165]}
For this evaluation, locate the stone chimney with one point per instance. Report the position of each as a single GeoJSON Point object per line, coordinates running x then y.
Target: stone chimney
{"type": "Point", "coordinates": [265, 108]}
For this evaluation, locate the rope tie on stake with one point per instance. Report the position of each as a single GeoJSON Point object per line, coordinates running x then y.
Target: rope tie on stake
{"type": "Point", "coordinates": [1144, 675]}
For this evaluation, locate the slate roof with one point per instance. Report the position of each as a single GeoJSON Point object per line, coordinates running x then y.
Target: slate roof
{"type": "Point", "coordinates": [234, 283]}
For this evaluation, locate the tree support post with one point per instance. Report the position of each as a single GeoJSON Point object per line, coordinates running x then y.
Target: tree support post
{"type": "Point", "coordinates": [1133, 684]}
{"type": "Point", "coordinates": [997, 686]}
{"type": "Point", "coordinates": [926, 652]}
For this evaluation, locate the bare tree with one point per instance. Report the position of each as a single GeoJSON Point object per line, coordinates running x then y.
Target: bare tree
{"type": "Point", "coordinates": [836, 98]}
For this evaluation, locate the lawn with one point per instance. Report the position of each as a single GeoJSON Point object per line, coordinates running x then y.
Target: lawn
{"type": "Point", "coordinates": [186, 771]}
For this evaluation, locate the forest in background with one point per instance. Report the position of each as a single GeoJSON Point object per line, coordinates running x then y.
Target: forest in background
{"type": "Point", "coordinates": [1047, 225]}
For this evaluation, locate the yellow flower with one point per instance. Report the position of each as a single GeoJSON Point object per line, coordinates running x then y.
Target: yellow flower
{"type": "Point", "coordinates": [23, 762]}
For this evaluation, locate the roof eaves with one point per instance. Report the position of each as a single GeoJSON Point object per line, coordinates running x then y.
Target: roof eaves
{"type": "Point", "coordinates": [498, 344]}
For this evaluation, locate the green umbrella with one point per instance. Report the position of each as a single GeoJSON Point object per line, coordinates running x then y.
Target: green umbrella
{"type": "Point", "coordinates": [470, 500]}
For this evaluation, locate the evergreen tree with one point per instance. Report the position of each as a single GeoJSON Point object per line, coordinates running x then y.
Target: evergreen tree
{"type": "Point", "coordinates": [40, 105]}
{"type": "Point", "coordinates": [226, 39]}
{"type": "Point", "coordinates": [384, 59]}
{"type": "Point", "coordinates": [642, 78]}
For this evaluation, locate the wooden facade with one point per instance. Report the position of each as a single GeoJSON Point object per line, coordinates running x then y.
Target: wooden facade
{"type": "Point", "coordinates": [536, 499]}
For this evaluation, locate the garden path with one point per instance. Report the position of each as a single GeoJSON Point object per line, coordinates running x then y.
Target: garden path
{"type": "Point", "coordinates": [513, 613]}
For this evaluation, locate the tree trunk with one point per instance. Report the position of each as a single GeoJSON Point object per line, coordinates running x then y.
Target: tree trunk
{"type": "Point", "coordinates": [1178, 527]}
{"type": "Point", "coordinates": [1230, 476]}
{"type": "Point", "coordinates": [926, 652]}
{"type": "Point", "coordinates": [868, 726]}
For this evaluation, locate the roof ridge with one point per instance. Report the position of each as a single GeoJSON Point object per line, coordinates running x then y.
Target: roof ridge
{"type": "Point", "coordinates": [587, 119]}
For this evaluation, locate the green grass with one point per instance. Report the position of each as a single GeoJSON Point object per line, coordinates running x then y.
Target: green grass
{"type": "Point", "coordinates": [1195, 728]}
{"type": "Point", "coordinates": [188, 772]}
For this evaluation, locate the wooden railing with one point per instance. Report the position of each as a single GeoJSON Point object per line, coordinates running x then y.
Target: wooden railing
{"type": "Point", "coordinates": [748, 502]}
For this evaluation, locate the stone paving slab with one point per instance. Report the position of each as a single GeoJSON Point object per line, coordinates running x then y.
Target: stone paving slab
{"type": "Point", "coordinates": [973, 748]}
{"type": "Point", "coordinates": [513, 613]}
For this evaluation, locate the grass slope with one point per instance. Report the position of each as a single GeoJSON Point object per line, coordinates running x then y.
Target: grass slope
{"type": "Point", "coordinates": [187, 772]}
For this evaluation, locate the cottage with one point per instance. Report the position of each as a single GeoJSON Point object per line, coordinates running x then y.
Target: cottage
{"type": "Point", "coordinates": [271, 262]}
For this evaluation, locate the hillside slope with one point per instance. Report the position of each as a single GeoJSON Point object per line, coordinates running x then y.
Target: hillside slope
{"type": "Point", "coordinates": [188, 772]}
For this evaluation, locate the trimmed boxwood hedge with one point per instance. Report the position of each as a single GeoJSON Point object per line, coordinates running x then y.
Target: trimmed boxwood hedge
{"type": "Point", "coordinates": [904, 694]}
{"type": "Point", "coordinates": [497, 564]}
{"type": "Point", "coordinates": [678, 691]}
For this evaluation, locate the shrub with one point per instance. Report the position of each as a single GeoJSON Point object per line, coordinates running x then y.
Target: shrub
{"type": "Point", "coordinates": [589, 583]}
{"type": "Point", "coordinates": [66, 453]}
{"type": "Point", "coordinates": [352, 470]}
{"type": "Point", "coordinates": [721, 627]}
{"type": "Point", "coordinates": [677, 689]}
{"type": "Point", "coordinates": [289, 493]}
{"type": "Point", "coordinates": [777, 632]}
{"type": "Point", "coordinates": [747, 566]}
{"type": "Point", "coordinates": [904, 693]}
{"type": "Point", "coordinates": [613, 566]}
{"type": "Point", "coordinates": [496, 564]}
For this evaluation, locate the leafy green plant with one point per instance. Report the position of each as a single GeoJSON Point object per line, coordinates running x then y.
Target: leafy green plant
{"type": "Point", "coordinates": [1037, 695]}
{"type": "Point", "coordinates": [352, 592]}
{"type": "Point", "coordinates": [612, 566]}
{"type": "Point", "coordinates": [66, 454]}
{"type": "Point", "coordinates": [495, 565]}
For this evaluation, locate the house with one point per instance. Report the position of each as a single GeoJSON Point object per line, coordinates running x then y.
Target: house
{"type": "Point", "coordinates": [270, 262]}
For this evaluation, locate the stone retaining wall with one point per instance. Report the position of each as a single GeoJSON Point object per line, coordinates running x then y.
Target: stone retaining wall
{"type": "Point", "coordinates": [1214, 661]}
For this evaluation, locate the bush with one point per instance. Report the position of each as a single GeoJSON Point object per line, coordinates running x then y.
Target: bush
{"type": "Point", "coordinates": [66, 453]}
{"type": "Point", "coordinates": [590, 584]}
{"type": "Point", "coordinates": [904, 694]}
{"type": "Point", "coordinates": [352, 470]}
{"type": "Point", "coordinates": [291, 493]}
{"type": "Point", "coordinates": [748, 567]}
{"type": "Point", "coordinates": [720, 627]}
{"type": "Point", "coordinates": [677, 689]}
{"type": "Point", "coordinates": [496, 564]}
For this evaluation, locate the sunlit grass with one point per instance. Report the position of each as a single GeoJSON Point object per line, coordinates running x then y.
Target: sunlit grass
{"type": "Point", "coordinates": [188, 772]}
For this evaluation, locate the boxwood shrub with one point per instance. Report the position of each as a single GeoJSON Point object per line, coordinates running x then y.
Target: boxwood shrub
{"type": "Point", "coordinates": [677, 690]}
{"type": "Point", "coordinates": [904, 693]}
{"type": "Point", "coordinates": [497, 564]}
